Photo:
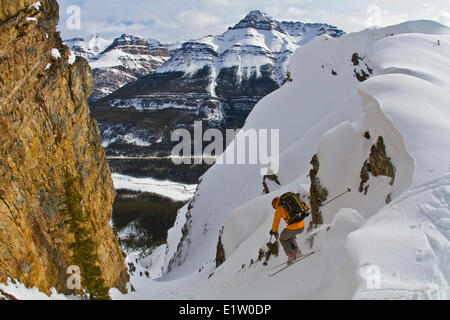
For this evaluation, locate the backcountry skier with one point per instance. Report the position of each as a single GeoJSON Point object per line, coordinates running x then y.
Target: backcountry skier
{"type": "Point", "coordinates": [295, 224]}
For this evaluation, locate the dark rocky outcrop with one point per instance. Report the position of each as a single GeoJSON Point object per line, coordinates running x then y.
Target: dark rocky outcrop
{"type": "Point", "coordinates": [220, 251]}
{"type": "Point", "coordinates": [270, 177]}
{"type": "Point", "coordinates": [318, 194]}
{"type": "Point", "coordinates": [362, 71]}
{"type": "Point", "coordinates": [378, 164]}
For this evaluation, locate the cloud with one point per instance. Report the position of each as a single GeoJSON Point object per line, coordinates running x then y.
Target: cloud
{"type": "Point", "coordinates": [297, 13]}
{"type": "Point", "coordinates": [114, 27]}
{"type": "Point", "coordinates": [443, 17]}
{"type": "Point", "coordinates": [378, 17]}
{"type": "Point", "coordinates": [197, 19]}
{"type": "Point", "coordinates": [437, 14]}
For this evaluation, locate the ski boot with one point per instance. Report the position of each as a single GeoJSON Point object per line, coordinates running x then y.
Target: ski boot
{"type": "Point", "coordinates": [293, 255]}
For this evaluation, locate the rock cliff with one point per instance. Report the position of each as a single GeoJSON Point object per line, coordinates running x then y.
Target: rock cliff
{"type": "Point", "coordinates": [56, 192]}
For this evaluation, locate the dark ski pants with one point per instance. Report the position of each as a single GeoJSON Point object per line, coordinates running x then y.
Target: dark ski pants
{"type": "Point", "coordinates": [287, 239]}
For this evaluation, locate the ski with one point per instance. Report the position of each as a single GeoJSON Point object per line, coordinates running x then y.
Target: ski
{"type": "Point", "coordinates": [284, 263]}
{"type": "Point", "coordinates": [295, 261]}
{"type": "Point", "coordinates": [279, 265]}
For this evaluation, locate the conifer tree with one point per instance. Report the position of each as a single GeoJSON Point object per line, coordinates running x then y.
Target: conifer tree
{"type": "Point", "coordinates": [84, 251]}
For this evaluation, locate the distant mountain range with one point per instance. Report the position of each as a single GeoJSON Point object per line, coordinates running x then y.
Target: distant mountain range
{"type": "Point", "coordinates": [118, 62]}
{"type": "Point", "coordinates": [145, 89]}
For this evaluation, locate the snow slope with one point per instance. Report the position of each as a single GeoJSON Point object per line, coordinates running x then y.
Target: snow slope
{"type": "Point", "coordinates": [18, 291]}
{"type": "Point", "coordinates": [326, 110]}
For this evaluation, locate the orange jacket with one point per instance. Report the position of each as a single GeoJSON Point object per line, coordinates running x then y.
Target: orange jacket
{"type": "Point", "coordinates": [281, 212]}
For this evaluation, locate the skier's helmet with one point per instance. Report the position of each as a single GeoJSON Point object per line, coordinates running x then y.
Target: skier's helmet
{"type": "Point", "coordinates": [274, 202]}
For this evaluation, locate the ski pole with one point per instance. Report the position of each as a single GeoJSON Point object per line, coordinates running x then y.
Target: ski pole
{"type": "Point", "coordinates": [348, 190]}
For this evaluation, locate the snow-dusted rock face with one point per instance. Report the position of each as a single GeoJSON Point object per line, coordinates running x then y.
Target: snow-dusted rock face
{"type": "Point", "coordinates": [221, 76]}
{"type": "Point", "coordinates": [256, 41]}
{"type": "Point", "coordinates": [118, 62]}
{"type": "Point", "coordinates": [391, 240]}
{"type": "Point", "coordinates": [258, 20]}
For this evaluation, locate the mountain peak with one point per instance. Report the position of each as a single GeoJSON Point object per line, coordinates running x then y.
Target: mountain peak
{"type": "Point", "coordinates": [257, 15]}
{"type": "Point", "coordinates": [129, 43]}
{"type": "Point", "coordinates": [258, 20]}
{"type": "Point", "coordinates": [96, 36]}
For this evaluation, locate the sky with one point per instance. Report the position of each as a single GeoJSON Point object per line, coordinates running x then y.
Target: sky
{"type": "Point", "coordinates": [175, 20]}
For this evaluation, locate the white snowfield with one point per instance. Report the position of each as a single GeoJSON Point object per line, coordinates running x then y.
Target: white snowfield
{"type": "Point", "coordinates": [368, 249]}
{"type": "Point", "coordinates": [169, 189]}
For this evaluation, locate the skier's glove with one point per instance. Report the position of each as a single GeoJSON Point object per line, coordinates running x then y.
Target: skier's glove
{"type": "Point", "coordinates": [274, 233]}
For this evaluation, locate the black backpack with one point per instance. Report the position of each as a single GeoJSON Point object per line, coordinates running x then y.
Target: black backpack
{"type": "Point", "coordinates": [297, 210]}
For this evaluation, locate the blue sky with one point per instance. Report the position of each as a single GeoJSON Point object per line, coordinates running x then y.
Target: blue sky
{"type": "Point", "coordinates": [173, 20]}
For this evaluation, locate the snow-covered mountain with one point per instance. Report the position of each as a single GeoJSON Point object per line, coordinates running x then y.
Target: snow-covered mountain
{"type": "Point", "coordinates": [215, 78]}
{"type": "Point", "coordinates": [368, 111]}
{"type": "Point", "coordinates": [88, 49]}
{"type": "Point", "coordinates": [118, 62]}
{"type": "Point", "coordinates": [256, 43]}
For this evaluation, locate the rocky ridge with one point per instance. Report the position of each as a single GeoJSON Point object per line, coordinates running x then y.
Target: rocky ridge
{"type": "Point", "coordinates": [118, 62]}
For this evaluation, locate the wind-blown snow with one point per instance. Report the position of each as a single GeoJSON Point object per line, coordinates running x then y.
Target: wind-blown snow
{"type": "Point", "coordinates": [413, 251]}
